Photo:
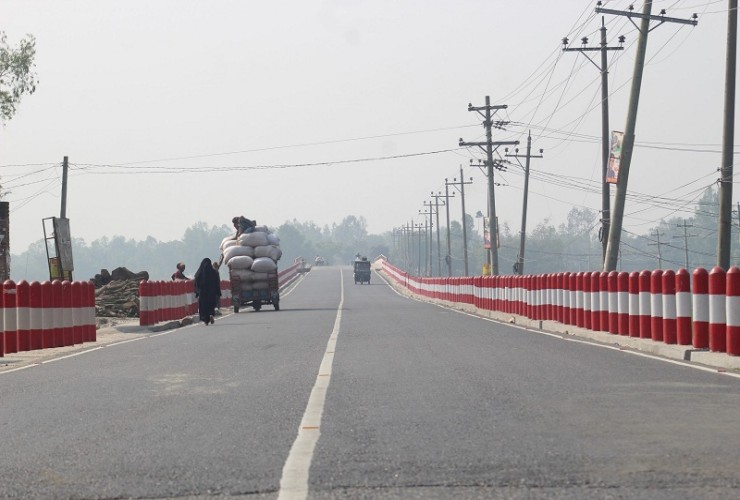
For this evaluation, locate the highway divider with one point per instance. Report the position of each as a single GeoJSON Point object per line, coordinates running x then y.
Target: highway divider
{"type": "Point", "coordinates": [664, 306]}
{"type": "Point", "coordinates": [173, 300]}
{"type": "Point", "coordinates": [44, 315]}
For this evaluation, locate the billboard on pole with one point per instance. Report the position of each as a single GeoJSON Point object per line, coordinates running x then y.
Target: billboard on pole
{"type": "Point", "coordinates": [615, 157]}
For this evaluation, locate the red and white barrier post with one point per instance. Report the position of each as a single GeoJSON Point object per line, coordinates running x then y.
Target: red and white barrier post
{"type": "Point", "coordinates": [717, 312]}
{"type": "Point", "coordinates": [613, 298]}
{"type": "Point", "coordinates": [733, 311]}
{"type": "Point", "coordinates": [586, 286]}
{"type": "Point", "coordinates": [634, 304]}
{"type": "Point", "coordinates": [22, 297]}
{"type": "Point", "coordinates": [683, 307]}
{"type": "Point", "coordinates": [669, 307]}
{"type": "Point", "coordinates": [34, 303]}
{"type": "Point", "coordinates": [700, 326]}
{"type": "Point", "coordinates": [10, 317]}
{"type": "Point", "coordinates": [645, 318]}
{"type": "Point", "coordinates": [656, 305]}
{"type": "Point", "coordinates": [623, 303]}
{"type": "Point", "coordinates": [596, 302]}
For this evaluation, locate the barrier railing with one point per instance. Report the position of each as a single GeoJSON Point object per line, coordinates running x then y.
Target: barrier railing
{"type": "Point", "coordinates": [42, 315]}
{"type": "Point", "coordinates": [664, 306]}
{"type": "Point", "coordinates": [173, 300]}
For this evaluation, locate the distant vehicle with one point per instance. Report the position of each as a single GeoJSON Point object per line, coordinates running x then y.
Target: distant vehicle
{"type": "Point", "coordinates": [362, 270]}
{"type": "Point", "coordinates": [319, 261]}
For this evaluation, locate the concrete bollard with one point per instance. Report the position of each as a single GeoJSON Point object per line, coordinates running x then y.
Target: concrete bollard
{"type": "Point", "coordinates": [23, 315]}
{"type": "Point", "coordinates": [10, 318]}
{"type": "Point", "coordinates": [732, 306]}
{"type": "Point", "coordinates": [683, 307]}
{"type": "Point", "coordinates": [700, 305]}
{"type": "Point", "coordinates": [717, 313]}
{"type": "Point", "coordinates": [669, 307]}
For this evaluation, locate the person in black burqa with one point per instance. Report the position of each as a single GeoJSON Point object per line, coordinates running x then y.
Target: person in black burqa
{"type": "Point", "coordinates": [207, 290]}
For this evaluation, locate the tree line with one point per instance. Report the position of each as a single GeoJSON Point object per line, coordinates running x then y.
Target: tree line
{"type": "Point", "coordinates": [571, 246]}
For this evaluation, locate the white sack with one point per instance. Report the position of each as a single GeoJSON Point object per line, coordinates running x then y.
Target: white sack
{"type": "Point", "coordinates": [231, 252]}
{"type": "Point", "coordinates": [273, 239]}
{"type": "Point", "coordinates": [270, 251]}
{"type": "Point", "coordinates": [225, 241]}
{"type": "Point", "coordinates": [255, 239]}
{"type": "Point", "coordinates": [240, 262]}
{"type": "Point", "coordinates": [263, 265]}
{"type": "Point", "coordinates": [261, 229]}
{"type": "Point", "coordinates": [228, 243]}
{"type": "Point", "coordinates": [241, 274]}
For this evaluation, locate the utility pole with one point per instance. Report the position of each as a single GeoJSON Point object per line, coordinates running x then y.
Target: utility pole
{"type": "Point", "coordinates": [615, 232]}
{"type": "Point", "coordinates": [657, 235]}
{"type": "Point", "coordinates": [448, 258]}
{"type": "Point", "coordinates": [65, 168]}
{"type": "Point", "coordinates": [489, 147]}
{"type": "Point", "coordinates": [605, 133]}
{"type": "Point", "coordinates": [418, 263]}
{"type": "Point", "coordinates": [428, 242]}
{"type": "Point", "coordinates": [724, 231]}
{"type": "Point", "coordinates": [437, 203]}
{"type": "Point", "coordinates": [519, 266]}
{"type": "Point", "coordinates": [686, 236]}
{"type": "Point", "coordinates": [433, 210]}
{"type": "Point", "coordinates": [460, 186]}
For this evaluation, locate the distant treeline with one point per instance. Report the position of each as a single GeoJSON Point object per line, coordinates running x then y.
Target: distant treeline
{"type": "Point", "coordinates": [572, 246]}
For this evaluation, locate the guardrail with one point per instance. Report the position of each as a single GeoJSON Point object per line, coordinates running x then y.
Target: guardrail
{"type": "Point", "coordinates": [701, 309]}
{"type": "Point", "coordinates": [44, 315]}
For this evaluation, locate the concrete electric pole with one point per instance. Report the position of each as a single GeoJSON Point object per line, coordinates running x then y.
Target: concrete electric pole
{"type": "Point", "coordinates": [489, 147]}
{"type": "Point", "coordinates": [460, 186]}
{"type": "Point", "coordinates": [724, 231]}
{"type": "Point", "coordinates": [615, 232]}
{"type": "Point", "coordinates": [605, 132]}
{"type": "Point", "coordinates": [437, 204]}
{"type": "Point", "coordinates": [519, 266]}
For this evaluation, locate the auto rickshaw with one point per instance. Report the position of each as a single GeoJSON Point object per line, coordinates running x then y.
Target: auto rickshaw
{"type": "Point", "coordinates": [362, 270]}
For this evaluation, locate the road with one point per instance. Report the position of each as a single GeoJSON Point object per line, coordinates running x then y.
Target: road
{"type": "Point", "coordinates": [354, 391]}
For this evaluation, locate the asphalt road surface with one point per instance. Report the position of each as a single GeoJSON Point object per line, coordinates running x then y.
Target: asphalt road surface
{"type": "Point", "coordinates": [354, 391]}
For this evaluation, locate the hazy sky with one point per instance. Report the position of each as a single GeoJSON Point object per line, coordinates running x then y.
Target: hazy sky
{"type": "Point", "coordinates": [176, 111]}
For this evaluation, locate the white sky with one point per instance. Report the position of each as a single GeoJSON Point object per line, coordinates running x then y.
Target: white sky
{"type": "Point", "coordinates": [128, 90]}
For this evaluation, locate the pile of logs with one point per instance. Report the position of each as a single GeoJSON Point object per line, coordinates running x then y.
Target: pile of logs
{"type": "Point", "coordinates": [117, 293]}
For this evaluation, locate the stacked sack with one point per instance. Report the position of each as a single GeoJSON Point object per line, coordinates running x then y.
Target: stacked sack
{"type": "Point", "coordinates": [252, 258]}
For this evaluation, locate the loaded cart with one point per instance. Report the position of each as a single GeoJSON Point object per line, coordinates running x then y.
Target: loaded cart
{"type": "Point", "coordinates": [255, 294]}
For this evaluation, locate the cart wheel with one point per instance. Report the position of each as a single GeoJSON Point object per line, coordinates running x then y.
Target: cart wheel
{"type": "Point", "coordinates": [257, 306]}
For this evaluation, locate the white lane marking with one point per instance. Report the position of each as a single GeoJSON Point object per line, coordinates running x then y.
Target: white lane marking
{"type": "Point", "coordinates": [294, 481]}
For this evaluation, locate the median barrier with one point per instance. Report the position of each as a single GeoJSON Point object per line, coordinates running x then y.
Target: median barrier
{"type": "Point", "coordinates": [656, 305]}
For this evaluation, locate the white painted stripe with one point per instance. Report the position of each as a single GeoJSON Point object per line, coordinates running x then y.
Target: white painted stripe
{"type": "Point", "coordinates": [294, 481]}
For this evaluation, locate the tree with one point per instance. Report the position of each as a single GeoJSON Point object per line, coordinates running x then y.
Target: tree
{"type": "Point", "coordinates": [16, 75]}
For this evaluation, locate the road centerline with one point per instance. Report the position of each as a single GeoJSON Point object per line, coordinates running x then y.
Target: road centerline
{"type": "Point", "coordinates": [294, 480]}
